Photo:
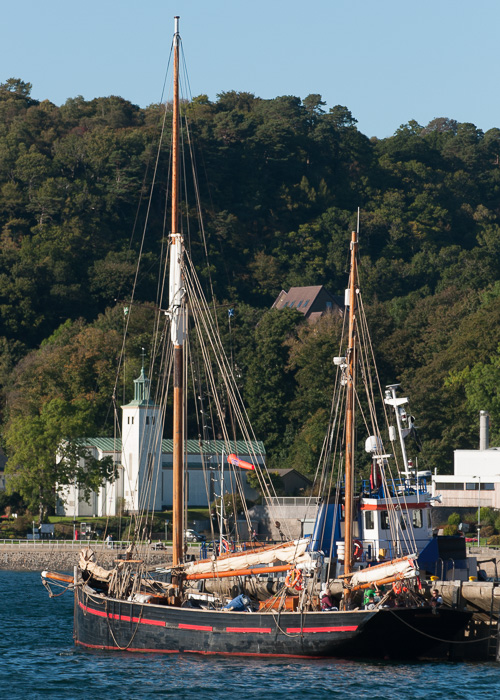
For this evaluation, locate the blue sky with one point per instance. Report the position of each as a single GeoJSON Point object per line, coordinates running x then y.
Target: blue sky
{"type": "Point", "coordinates": [388, 61]}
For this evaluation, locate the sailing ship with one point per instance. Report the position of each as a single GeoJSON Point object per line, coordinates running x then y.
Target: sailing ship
{"type": "Point", "coordinates": [265, 600]}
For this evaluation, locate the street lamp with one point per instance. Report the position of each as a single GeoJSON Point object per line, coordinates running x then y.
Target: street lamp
{"type": "Point", "coordinates": [478, 508]}
{"type": "Point", "coordinates": [478, 505]}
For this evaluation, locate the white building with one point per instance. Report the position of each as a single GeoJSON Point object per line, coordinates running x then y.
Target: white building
{"type": "Point", "coordinates": [143, 462]}
{"type": "Point", "coordinates": [476, 479]}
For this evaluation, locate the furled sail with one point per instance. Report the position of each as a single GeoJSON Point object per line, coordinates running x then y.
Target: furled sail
{"type": "Point", "coordinates": [396, 569]}
{"type": "Point", "coordinates": [293, 553]}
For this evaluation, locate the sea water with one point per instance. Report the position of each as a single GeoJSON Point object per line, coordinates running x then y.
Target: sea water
{"type": "Point", "coordinates": [38, 660]}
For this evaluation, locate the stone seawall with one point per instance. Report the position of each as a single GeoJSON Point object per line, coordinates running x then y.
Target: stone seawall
{"type": "Point", "coordinates": [15, 559]}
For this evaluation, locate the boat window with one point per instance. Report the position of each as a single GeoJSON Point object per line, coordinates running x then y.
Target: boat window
{"type": "Point", "coordinates": [403, 522]}
{"type": "Point", "coordinates": [429, 519]}
{"type": "Point", "coordinates": [384, 520]}
{"type": "Point", "coordinates": [417, 517]}
{"type": "Point", "coordinates": [369, 524]}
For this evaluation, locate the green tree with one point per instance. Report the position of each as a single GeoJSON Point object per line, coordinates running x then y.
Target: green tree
{"type": "Point", "coordinates": [43, 451]}
{"type": "Point", "coordinates": [269, 384]}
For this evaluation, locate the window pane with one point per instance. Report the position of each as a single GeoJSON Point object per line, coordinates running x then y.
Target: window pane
{"type": "Point", "coordinates": [369, 523]}
{"type": "Point", "coordinates": [417, 518]}
{"type": "Point", "coordinates": [384, 520]}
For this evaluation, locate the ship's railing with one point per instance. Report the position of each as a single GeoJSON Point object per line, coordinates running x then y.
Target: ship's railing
{"type": "Point", "coordinates": [293, 501]}
{"type": "Point", "coordinates": [375, 550]}
{"type": "Point", "coordinates": [396, 487]}
{"type": "Point", "coordinates": [64, 544]}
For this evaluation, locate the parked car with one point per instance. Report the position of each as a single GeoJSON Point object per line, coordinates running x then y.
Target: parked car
{"type": "Point", "coordinates": [193, 536]}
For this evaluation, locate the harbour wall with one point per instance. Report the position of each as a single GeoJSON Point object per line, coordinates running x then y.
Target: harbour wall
{"type": "Point", "coordinates": [24, 559]}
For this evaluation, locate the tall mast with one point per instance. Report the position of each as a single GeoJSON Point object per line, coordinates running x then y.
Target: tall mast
{"type": "Point", "coordinates": [351, 370]}
{"type": "Point", "coordinates": [177, 329]}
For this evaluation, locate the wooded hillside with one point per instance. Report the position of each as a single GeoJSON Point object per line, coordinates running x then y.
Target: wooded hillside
{"type": "Point", "coordinates": [281, 181]}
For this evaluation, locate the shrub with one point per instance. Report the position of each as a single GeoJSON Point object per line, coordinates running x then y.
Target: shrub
{"type": "Point", "coordinates": [494, 540]}
{"type": "Point", "coordinates": [487, 516]}
{"type": "Point", "coordinates": [450, 530]}
{"type": "Point", "coordinates": [454, 519]}
{"type": "Point", "coordinates": [22, 525]}
{"type": "Point", "coordinates": [470, 518]}
{"type": "Point", "coordinates": [63, 531]}
{"type": "Point", "coordinates": [487, 531]}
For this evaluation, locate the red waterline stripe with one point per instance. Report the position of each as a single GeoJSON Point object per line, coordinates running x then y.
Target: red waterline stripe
{"type": "Point", "coordinates": [260, 630]}
{"type": "Point", "coordinates": [123, 618]}
{"type": "Point", "coordinates": [203, 628]}
{"type": "Point", "coordinates": [110, 648]}
{"type": "Point", "coordinates": [295, 630]}
{"type": "Point", "coordinates": [194, 651]}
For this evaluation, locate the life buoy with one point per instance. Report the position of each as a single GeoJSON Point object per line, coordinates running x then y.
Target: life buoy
{"type": "Point", "coordinates": [294, 579]}
{"type": "Point", "coordinates": [358, 549]}
{"type": "Point", "coordinates": [396, 587]}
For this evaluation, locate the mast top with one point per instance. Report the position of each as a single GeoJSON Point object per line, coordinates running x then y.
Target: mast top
{"type": "Point", "coordinates": [176, 30]}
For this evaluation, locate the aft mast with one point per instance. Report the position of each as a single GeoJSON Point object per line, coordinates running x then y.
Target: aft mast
{"type": "Point", "coordinates": [177, 332]}
{"type": "Point", "coordinates": [349, 428]}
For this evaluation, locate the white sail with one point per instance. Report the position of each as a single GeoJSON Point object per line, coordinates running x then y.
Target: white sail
{"type": "Point", "coordinates": [402, 568]}
{"type": "Point", "coordinates": [290, 552]}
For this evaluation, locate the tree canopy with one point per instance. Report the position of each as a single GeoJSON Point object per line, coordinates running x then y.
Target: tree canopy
{"type": "Point", "coordinates": [285, 177]}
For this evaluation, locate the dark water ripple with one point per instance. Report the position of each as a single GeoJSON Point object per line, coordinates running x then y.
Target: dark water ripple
{"type": "Point", "coordinates": [38, 660]}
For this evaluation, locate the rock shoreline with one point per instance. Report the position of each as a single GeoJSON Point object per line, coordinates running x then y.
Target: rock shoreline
{"type": "Point", "coordinates": [60, 560]}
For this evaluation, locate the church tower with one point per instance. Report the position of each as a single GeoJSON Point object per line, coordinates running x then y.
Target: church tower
{"type": "Point", "coordinates": [142, 432]}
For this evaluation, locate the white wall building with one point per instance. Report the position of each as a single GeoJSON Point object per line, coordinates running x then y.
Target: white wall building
{"type": "Point", "coordinates": [144, 460]}
{"type": "Point", "coordinates": [476, 479]}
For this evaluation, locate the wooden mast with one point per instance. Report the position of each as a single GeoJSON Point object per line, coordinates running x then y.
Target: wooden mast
{"type": "Point", "coordinates": [177, 323]}
{"type": "Point", "coordinates": [351, 370]}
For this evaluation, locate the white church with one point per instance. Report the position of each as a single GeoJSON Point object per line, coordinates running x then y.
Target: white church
{"type": "Point", "coordinates": [143, 461]}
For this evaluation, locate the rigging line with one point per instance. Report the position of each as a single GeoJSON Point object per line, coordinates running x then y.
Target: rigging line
{"type": "Point", "coordinates": [205, 316]}
{"type": "Point", "coordinates": [223, 361]}
{"type": "Point", "coordinates": [197, 390]}
{"type": "Point", "coordinates": [196, 186]}
{"type": "Point", "coordinates": [200, 219]}
{"type": "Point", "coordinates": [219, 352]}
{"type": "Point", "coordinates": [438, 639]}
{"type": "Point", "coordinates": [149, 159]}
{"type": "Point", "coordinates": [409, 535]}
{"type": "Point", "coordinates": [247, 437]}
{"type": "Point", "coordinates": [146, 222]}
{"type": "Point", "coordinates": [241, 492]}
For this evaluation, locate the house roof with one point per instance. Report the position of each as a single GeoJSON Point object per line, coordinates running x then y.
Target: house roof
{"type": "Point", "coordinates": [192, 446]}
{"type": "Point", "coordinates": [285, 472]}
{"type": "Point", "coordinates": [305, 298]}
{"type": "Point", "coordinates": [216, 447]}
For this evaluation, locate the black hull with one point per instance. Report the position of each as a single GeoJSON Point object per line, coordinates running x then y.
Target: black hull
{"type": "Point", "coordinates": [106, 623]}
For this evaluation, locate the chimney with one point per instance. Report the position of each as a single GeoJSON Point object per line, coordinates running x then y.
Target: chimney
{"type": "Point", "coordinates": [484, 430]}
